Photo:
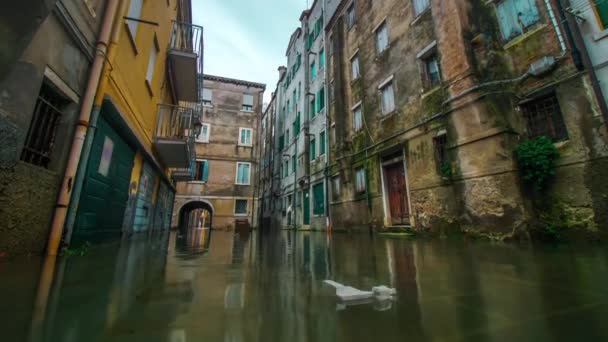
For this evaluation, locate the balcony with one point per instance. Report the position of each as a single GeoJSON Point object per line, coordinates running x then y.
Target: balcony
{"type": "Point", "coordinates": [185, 61]}
{"type": "Point", "coordinates": [175, 130]}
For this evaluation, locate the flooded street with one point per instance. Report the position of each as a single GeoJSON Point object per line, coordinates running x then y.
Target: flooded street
{"type": "Point", "coordinates": [220, 286]}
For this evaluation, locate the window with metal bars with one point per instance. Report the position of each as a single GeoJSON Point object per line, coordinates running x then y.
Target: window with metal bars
{"type": "Point", "coordinates": [441, 157]}
{"type": "Point", "coordinates": [43, 128]}
{"type": "Point", "coordinates": [544, 118]}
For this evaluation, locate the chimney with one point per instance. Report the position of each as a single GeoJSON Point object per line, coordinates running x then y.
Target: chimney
{"type": "Point", "coordinates": [282, 71]}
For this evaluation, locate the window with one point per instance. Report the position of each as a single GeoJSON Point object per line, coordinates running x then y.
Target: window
{"type": "Point", "coordinates": [601, 8]}
{"type": "Point", "coordinates": [204, 136]}
{"type": "Point", "coordinates": [245, 136]}
{"type": "Point", "coordinates": [360, 180]}
{"type": "Point", "coordinates": [296, 125]}
{"type": "Point", "coordinates": [322, 143]}
{"type": "Point", "coordinates": [335, 188]}
{"type": "Point", "coordinates": [295, 97]}
{"type": "Point", "coordinates": [350, 16]}
{"type": "Point", "coordinates": [420, 6]}
{"type": "Point", "coordinates": [286, 169]}
{"type": "Point", "coordinates": [247, 103]}
{"type": "Point", "coordinates": [440, 143]}
{"type": "Point", "coordinates": [357, 119]}
{"type": "Point", "coordinates": [321, 99]}
{"type": "Point", "coordinates": [313, 113]}
{"type": "Point", "coordinates": [313, 149]}
{"type": "Point", "coordinates": [202, 171]}
{"type": "Point", "coordinates": [287, 136]}
{"type": "Point", "coordinates": [242, 173]}
{"type": "Point", "coordinates": [151, 64]}
{"type": "Point", "coordinates": [381, 38]}
{"type": "Point", "coordinates": [288, 107]}
{"type": "Point", "coordinates": [544, 118]}
{"type": "Point", "coordinates": [293, 164]}
{"type": "Point", "coordinates": [515, 17]}
{"type": "Point", "coordinates": [40, 138]}
{"type": "Point", "coordinates": [313, 71]}
{"type": "Point", "coordinates": [354, 67]}
{"type": "Point", "coordinates": [387, 95]}
{"type": "Point", "coordinates": [431, 71]}
{"type": "Point", "coordinates": [135, 13]}
{"type": "Point", "coordinates": [240, 207]}
{"type": "Point", "coordinates": [321, 59]}
{"type": "Point", "coordinates": [318, 197]}
{"type": "Point", "coordinates": [207, 97]}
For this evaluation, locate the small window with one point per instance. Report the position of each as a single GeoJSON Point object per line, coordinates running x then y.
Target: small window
{"type": "Point", "coordinates": [248, 103]}
{"type": "Point", "coordinates": [322, 143]}
{"type": "Point", "coordinates": [286, 168]}
{"type": "Point", "coordinates": [240, 207]}
{"type": "Point", "coordinates": [242, 173]}
{"type": "Point", "coordinates": [313, 149]}
{"type": "Point", "coordinates": [287, 135]}
{"type": "Point", "coordinates": [295, 97]}
{"type": "Point", "coordinates": [335, 188]}
{"type": "Point", "coordinates": [288, 106]}
{"type": "Point", "coordinates": [318, 198]}
{"type": "Point", "coordinates": [321, 59]}
{"type": "Point", "coordinates": [293, 164]}
{"type": "Point", "coordinates": [134, 12]}
{"type": "Point", "coordinates": [202, 171]}
{"type": "Point", "coordinates": [420, 6]}
{"type": "Point", "coordinates": [431, 71]}
{"type": "Point", "coordinates": [245, 136]}
{"type": "Point", "coordinates": [207, 97]}
{"type": "Point", "coordinates": [601, 9]}
{"type": "Point", "coordinates": [350, 16]}
{"type": "Point", "coordinates": [313, 112]}
{"type": "Point", "coordinates": [204, 136]}
{"type": "Point", "coordinates": [544, 118]}
{"type": "Point", "coordinates": [313, 71]}
{"type": "Point", "coordinates": [440, 143]}
{"type": "Point", "coordinates": [387, 95]}
{"type": "Point", "coordinates": [321, 99]}
{"type": "Point", "coordinates": [360, 186]}
{"type": "Point", "coordinates": [516, 17]}
{"type": "Point", "coordinates": [40, 138]}
{"type": "Point", "coordinates": [357, 119]}
{"type": "Point", "coordinates": [151, 63]}
{"type": "Point", "coordinates": [381, 38]}
{"type": "Point", "coordinates": [354, 67]}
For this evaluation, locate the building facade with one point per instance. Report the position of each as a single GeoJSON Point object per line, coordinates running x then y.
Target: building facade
{"type": "Point", "coordinates": [226, 150]}
{"type": "Point", "coordinates": [45, 64]}
{"type": "Point", "coordinates": [265, 174]}
{"type": "Point", "coordinates": [430, 99]}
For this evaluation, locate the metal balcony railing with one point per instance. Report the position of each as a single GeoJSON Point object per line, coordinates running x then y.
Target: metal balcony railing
{"type": "Point", "coordinates": [174, 138]}
{"type": "Point", "coordinates": [185, 58]}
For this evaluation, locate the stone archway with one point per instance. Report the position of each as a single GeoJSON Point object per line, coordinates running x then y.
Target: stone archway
{"type": "Point", "coordinates": [195, 214]}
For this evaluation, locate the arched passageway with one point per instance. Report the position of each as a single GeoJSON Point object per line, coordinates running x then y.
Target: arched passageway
{"type": "Point", "coordinates": [195, 215]}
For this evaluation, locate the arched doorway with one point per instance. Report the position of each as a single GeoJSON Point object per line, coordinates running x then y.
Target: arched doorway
{"type": "Point", "coordinates": [195, 215]}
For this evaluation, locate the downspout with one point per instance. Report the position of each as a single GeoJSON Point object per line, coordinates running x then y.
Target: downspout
{"type": "Point", "coordinates": [328, 225]}
{"type": "Point", "coordinates": [571, 25]}
{"type": "Point", "coordinates": [65, 192]}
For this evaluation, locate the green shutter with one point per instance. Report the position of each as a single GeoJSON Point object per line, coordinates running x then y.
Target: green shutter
{"type": "Point", "coordinates": [602, 12]}
{"type": "Point", "coordinates": [313, 148]}
{"type": "Point", "coordinates": [293, 163]}
{"type": "Point", "coordinates": [318, 194]}
{"type": "Point", "coordinates": [205, 171]}
{"type": "Point", "coordinates": [312, 109]}
{"type": "Point", "coordinates": [321, 59]}
{"type": "Point", "coordinates": [322, 143]}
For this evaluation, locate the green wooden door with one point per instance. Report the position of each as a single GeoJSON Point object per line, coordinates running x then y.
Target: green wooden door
{"type": "Point", "coordinates": [306, 207]}
{"type": "Point", "coordinates": [106, 187]}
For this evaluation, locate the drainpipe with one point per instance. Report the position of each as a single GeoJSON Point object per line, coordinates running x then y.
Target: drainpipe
{"type": "Point", "coordinates": [328, 224]}
{"type": "Point", "coordinates": [65, 192]}
{"type": "Point", "coordinates": [572, 26]}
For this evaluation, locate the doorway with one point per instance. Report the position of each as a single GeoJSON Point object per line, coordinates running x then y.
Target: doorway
{"type": "Point", "coordinates": [395, 189]}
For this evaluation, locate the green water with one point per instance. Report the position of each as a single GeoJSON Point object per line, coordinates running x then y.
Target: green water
{"type": "Point", "coordinates": [224, 287]}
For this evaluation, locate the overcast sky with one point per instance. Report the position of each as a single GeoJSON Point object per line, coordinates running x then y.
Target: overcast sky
{"type": "Point", "coordinates": [247, 39]}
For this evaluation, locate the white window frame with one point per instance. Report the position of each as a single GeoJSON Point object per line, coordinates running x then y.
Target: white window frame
{"type": "Point", "coordinates": [382, 87]}
{"type": "Point", "coordinates": [210, 104]}
{"type": "Point", "coordinates": [241, 129]}
{"type": "Point", "coordinates": [200, 138]}
{"type": "Point", "coordinates": [354, 109]}
{"type": "Point", "coordinates": [152, 61]}
{"type": "Point", "coordinates": [382, 27]}
{"type": "Point", "coordinates": [134, 12]}
{"type": "Point", "coordinates": [354, 57]}
{"type": "Point", "coordinates": [246, 213]}
{"type": "Point", "coordinates": [236, 178]}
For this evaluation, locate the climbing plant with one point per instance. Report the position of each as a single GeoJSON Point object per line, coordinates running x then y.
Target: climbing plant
{"type": "Point", "coordinates": [536, 161]}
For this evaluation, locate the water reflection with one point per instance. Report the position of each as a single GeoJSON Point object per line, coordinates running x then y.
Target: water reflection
{"type": "Point", "coordinates": [218, 286]}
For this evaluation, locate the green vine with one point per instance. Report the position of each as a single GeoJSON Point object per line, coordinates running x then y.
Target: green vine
{"type": "Point", "coordinates": [446, 170]}
{"type": "Point", "coordinates": [536, 161]}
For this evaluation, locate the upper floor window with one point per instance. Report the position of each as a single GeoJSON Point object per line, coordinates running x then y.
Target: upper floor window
{"type": "Point", "coordinates": [321, 99]}
{"type": "Point", "coordinates": [354, 67]}
{"type": "Point", "coordinates": [313, 71]}
{"type": "Point", "coordinates": [387, 94]}
{"type": "Point", "coordinates": [357, 119]}
{"type": "Point", "coordinates": [313, 149]}
{"type": "Point", "coordinates": [134, 12]}
{"type": "Point", "coordinates": [432, 72]}
{"type": "Point", "coordinates": [350, 16]}
{"type": "Point", "coordinates": [207, 97]}
{"type": "Point", "coordinates": [360, 180]}
{"type": "Point", "coordinates": [381, 38]}
{"type": "Point", "coordinates": [601, 8]}
{"type": "Point", "coordinates": [420, 6]}
{"type": "Point", "coordinates": [247, 103]}
{"type": "Point", "coordinates": [515, 17]}
{"type": "Point", "coordinates": [204, 136]}
{"type": "Point", "coordinates": [151, 63]}
{"type": "Point", "coordinates": [321, 59]}
{"type": "Point", "coordinates": [245, 136]}
{"type": "Point", "coordinates": [544, 118]}
{"type": "Point", "coordinates": [202, 171]}
{"type": "Point", "coordinates": [242, 173]}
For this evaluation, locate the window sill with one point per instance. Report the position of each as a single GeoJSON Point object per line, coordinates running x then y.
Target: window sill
{"type": "Point", "coordinates": [201, 142]}
{"type": "Point", "coordinates": [198, 182]}
{"type": "Point", "coordinates": [207, 105]}
{"type": "Point", "coordinates": [149, 87]}
{"type": "Point", "coordinates": [131, 40]}
{"type": "Point", "coordinates": [242, 184]}
{"type": "Point", "coordinates": [600, 35]}
{"type": "Point", "coordinates": [388, 115]}
{"type": "Point", "coordinates": [241, 215]}
{"type": "Point", "coordinates": [523, 37]}
{"type": "Point", "coordinates": [418, 18]}
{"type": "Point", "coordinates": [241, 145]}
{"type": "Point", "coordinates": [247, 111]}
{"type": "Point", "coordinates": [430, 91]}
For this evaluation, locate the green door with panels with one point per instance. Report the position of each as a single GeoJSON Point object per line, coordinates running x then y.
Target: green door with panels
{"type": "Point", "coordinates": [143, 207]}
{"type": "Point", "coordinates": [106, 187]}
{"type": "Point", "coordinates": [306, 207]}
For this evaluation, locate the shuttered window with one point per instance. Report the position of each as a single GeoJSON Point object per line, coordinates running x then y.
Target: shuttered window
{"type": "Point", "coordinates": [321, 59]}
{"type": "Point", "coordinates": [248, 103]}
{"type": "Point", "coordinates": [321, 99]}
{"type": "Point", "coordinates": [313, 149]}
{"type": "Point", "coordinates": [322, 143]}
{"type": "Point", "coordinates": [318, 195]}
{"type": "Point", "coordinates": [516, 17]}
{"type": "Point", "coordinates": [202, 171]}
{"type": "Point", "coordinates": [242, 173]}
{"type": "Point", "coordinates": [207, 97]}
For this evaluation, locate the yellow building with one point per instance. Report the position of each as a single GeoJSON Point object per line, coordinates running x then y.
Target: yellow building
{"type": "Point", "coordinates": [139, 137]}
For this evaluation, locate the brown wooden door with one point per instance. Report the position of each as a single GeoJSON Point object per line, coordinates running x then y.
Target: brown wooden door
{"type": "Point", "coordinates": [397, 193]}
